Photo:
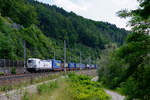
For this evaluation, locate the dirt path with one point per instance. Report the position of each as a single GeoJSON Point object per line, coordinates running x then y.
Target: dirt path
{"type": "Point", "coordinates": [114, 95]}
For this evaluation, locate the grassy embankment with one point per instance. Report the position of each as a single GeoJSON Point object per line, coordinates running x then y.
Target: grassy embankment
{"type": "Point", "coordinates": [75, 87]}
{"type": "Point", "coordinates": [27, 82]}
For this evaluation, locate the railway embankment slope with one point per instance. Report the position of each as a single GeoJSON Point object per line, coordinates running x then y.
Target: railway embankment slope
{"type": "Point", "coordinates": [18, 92]}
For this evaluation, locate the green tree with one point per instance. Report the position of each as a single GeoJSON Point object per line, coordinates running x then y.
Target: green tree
{"type": "Point", "coordinates": [6, 48]}
{"type": "Point", "coordinates": [135, 52]}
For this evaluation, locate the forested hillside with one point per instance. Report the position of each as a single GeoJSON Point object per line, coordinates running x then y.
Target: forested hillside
{"type": "Point", "coordinates": [45, 27]}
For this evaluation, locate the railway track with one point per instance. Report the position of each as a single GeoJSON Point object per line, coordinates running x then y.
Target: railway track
{"type": "Point", "coordinates": [28, 75]}
{"type": "Point", "coordinates": [9, 80]}
{"type": "Point", "coordinates": [18, 76]}
{"type": "Point", "coordinates": [16, 80]}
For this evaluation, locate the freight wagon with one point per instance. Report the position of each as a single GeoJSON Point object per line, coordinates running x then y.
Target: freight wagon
{"type": "Point", "coordinates": [83, 66]}
{"type": "Point", "coordinates": [71, 66]}
{"type": "Point", "coordinates": [92, 66]}
{"type": "Point", "coordinates": [36, 65]}
{"type": "Point", "coordinates": [78, 66]}
{"type": "Point", "coordinates": [56, 65]}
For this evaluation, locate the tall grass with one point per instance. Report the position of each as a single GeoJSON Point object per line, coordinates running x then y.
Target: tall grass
{"type": "Point", "coordinates": [47, 88]}
{"type": "Point", "coordinates": [75, 87]}
{"type": "Point", "coordinates": [52, 91]}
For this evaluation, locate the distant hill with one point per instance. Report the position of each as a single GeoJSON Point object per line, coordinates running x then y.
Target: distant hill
{"type": "Point", "coordinates": [59, 24]}
{"type": "Point", "coordinates": [56, 25]}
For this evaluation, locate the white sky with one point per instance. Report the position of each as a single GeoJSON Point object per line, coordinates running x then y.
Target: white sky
{"type": "Point", "coordinates": [99, 10]}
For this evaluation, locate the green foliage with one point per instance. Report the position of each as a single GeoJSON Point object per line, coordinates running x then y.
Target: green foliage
{"type": "Point", "coordinates": [124, 13]}
{"type": "Point", "coordinates": [1, 73]}
{"type": "Point", "coordinates": [18, 11]}
{"type": "Point", "coordinates": [111, 69]}
{"type": "Point", "coordinates": [13, 70]}
{"type": "Point", "coordinates": [74, 87]}
{"type": "Point", "coordinates": [134, 51]}
{"type": "Point", "coordinates": [134, 80]}
{"type": "Point", "coordinates": [47, 88]}
{"type": "Point", "coordinates": [80, 34]}
{"type": "Point", "coordinates": [137, 85]}
{"type": "Point", "coordinates": [144, 10]}
{"type": "Point", "coordinates": [9, 41]}
{"type": "Point", "coordinates": [85, 89]}
{"type": "Point", "coordinates": [128, 67]}
{"type": "Point", "coordinates": [139, 17]}
{"type": "Point", "coordinates": [75, 29]}
{"type": "Point", "coordinates": [5, 47]}
{"type": "Point", "coordinates": [26, 97]}
{"type": "Point", "coordinates": [5, 88]}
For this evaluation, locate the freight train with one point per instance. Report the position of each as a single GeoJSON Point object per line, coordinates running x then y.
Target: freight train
{"type": "Point", "coordinates": [38, 65]}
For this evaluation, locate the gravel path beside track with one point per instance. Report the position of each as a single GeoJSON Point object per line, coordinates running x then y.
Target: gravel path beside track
{"type": "Point", "coordinates": [114, 95]}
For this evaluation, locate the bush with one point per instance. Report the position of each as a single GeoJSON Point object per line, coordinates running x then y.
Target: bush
{"type": "Point", "coordinates": [6, 88]}
{"type": "Point", "coordinates": [47, 88]}
{"type": "Point", "coordinates": [26, 97]}
{"type": "Point", "coordinates": [1, 73]}
{"type": "Point", "coordinates": [128, 67]}
{"type": "Point", "coordinates": [13, 70]}
{"type": "Point", "coordinates": [111, 69]}
{"type": "Point", "coordinates": [85, 89]}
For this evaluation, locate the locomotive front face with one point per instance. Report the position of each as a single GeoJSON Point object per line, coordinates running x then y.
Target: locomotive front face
{"type": "Point", "coordinates": [31, 64]}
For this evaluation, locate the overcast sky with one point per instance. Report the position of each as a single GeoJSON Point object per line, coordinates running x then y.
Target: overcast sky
{"type": "Point", "coordinates": [99, 10]}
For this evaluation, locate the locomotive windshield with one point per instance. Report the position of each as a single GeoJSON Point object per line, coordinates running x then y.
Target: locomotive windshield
{"type": "Point", "coordinates": [31, 61]}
